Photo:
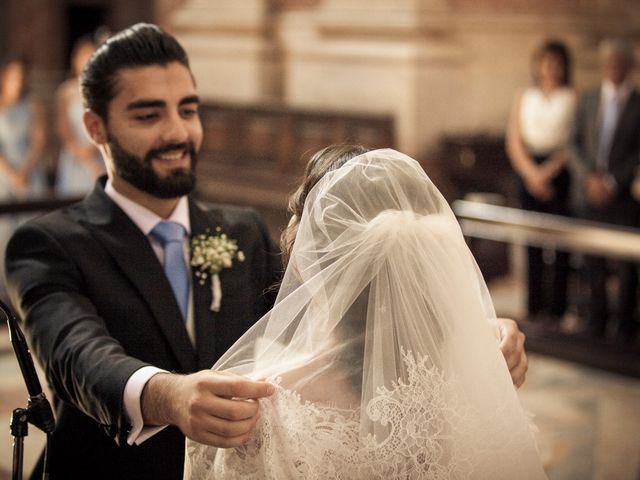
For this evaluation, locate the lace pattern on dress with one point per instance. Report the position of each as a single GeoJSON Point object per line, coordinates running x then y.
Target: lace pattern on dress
{"type": "Point", "coordinates": [425, 420]}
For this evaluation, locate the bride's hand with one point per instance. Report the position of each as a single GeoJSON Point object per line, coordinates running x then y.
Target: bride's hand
{"type": "Point", "coordinates": [214, 408]}
{"type": "Point", "coordinates": [512, 347]}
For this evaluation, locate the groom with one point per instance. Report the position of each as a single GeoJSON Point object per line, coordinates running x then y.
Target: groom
{"type": "Point", "coordinates": [114, 314]}
{"type": "Point", "coordinates": [103, 317]}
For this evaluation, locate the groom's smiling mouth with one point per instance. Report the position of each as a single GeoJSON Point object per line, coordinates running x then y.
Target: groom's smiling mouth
{"type": "Point", "coordinates": [172, 157]}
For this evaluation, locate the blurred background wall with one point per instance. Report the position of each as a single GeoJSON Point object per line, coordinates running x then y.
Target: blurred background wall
{"type": "Point", "coordinates": [440, 69]}
{"type": "Point", "coordinates": [438, 66]}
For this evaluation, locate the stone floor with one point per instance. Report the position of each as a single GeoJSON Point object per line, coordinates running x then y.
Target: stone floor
{"type": "Point", "coordinates": [589, 420]}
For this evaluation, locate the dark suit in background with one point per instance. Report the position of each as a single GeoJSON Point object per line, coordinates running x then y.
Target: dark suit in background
{"type": "Point", "coordinates": [622, 210]}
{"type": "Point", "coordinates": [97, 306]}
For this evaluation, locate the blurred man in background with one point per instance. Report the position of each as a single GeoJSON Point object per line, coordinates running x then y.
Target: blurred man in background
{"type": "Point", "coordinates": [605, 149]}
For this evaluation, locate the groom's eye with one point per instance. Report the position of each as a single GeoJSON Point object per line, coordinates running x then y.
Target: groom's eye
{"type": "Point", "coordinates": [146, 117]}
{"type": "Point", "coordinates": [189, 112]}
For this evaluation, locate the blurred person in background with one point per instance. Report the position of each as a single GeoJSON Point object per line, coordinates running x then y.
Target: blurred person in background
{"type": "Point", "coordinates": [22, 140]}
{"type": "Point", "coordinates": [22, 134]}
{"type": "Point", "coordinates": [80, 162]}
{"type": "Point", "coordinates": [537, 137]}
{"type": "Point", "coordinates": [604, 156]}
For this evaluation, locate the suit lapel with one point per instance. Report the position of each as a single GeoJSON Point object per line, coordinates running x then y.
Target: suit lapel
{"type": "Point", "coordinates": [132, 252]}
{"type": "Point", "coordinates": [625, 119]}
{"type": "Point", "coordinates": [593, 131]}
{"type": "Point", "coordinates": [206, 321]}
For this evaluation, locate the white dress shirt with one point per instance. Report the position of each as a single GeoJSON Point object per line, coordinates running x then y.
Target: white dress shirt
{"type": "Point", "coordinates": [145, 220]}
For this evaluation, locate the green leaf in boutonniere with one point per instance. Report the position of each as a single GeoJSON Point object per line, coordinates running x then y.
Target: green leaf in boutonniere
{"type": "Point", "coordinates": [210, 254]}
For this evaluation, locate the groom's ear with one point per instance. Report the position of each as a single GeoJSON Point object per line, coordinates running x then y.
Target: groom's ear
{"type": "Point", "coordinates": [95, 127]}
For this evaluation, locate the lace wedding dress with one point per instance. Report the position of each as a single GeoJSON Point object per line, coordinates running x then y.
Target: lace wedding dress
{"type": "Point", "coordinates": [384, 362]}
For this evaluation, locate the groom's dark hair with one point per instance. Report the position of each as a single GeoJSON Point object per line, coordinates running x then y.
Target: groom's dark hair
{"type": "Point", "coordinates": [140, 45]}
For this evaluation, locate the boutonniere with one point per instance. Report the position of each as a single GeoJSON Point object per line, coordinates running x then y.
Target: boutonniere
{"type": "Point", "coordinates": [210, 254]}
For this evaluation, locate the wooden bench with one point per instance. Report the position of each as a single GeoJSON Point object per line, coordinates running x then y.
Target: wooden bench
{"type": "Point", "coordinates": [255, 154]}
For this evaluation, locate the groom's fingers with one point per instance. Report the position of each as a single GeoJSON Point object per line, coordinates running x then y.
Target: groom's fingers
{"type": "Point", "coordinates": [233, 410]}
{"type": "Point", "coordinates": [233, 386]}
{"type": "Point", "coordinates": [210, 407]}
{"type": "Point", "coordinates": [515, 350]}
{"type": "Point", "coordinates": [223, 433]}
{"type": "Point", "coordinates": [518, 373]}
{"type": "Point", "coordinates": [214, 440]}
{"type": "Point", "coordinates": [512, 347]}
{"type": "Point", "coordinates": [224, 422]}
{"type": "Point", "coordinates": [224, 408]}
{"type": "Point", "coordinates": [224, 428]}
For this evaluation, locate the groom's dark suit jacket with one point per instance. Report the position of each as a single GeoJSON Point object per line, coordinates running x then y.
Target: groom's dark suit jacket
{"type": "Point", "coordinates": [97, 306]}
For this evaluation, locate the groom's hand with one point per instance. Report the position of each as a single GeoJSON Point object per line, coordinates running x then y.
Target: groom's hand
{"type": "Point", "coordinates": [214, 408]}
{"type": "Point", "coordinates": [512, 347]}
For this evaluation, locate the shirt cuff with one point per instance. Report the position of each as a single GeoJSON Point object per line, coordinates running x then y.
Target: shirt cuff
{"type": "Point", "coordinates": [132, 405]}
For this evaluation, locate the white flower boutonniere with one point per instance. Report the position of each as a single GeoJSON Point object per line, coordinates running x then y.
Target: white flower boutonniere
{"type": "Point", "coordinates": [210, 254]}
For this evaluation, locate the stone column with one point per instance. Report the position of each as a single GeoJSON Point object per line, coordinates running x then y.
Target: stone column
{"type": "Point", "coordinates": [230, 48]}
{"type": "Point", "coordinates": [355, 56]}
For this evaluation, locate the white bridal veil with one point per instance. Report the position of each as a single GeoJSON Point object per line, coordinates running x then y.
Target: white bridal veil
{"type": "Point", "coordinates": [379, 344]}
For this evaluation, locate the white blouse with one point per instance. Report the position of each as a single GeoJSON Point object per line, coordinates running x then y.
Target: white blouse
{"type": "Point", "coordinates": [545, 120]}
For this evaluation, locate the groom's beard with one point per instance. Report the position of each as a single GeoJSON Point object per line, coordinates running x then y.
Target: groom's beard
{"type": "Point", "coordinates": [139, 172]}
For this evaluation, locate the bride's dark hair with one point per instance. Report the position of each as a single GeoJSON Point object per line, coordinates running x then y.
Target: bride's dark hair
{"type": "Point", "coordinates": [326, 160]}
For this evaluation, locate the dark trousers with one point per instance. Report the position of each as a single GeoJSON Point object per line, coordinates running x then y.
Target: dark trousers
{"type": "Point", "coordinates": [598, 305]}
{"type": "Point", "coordinates": [622, 212]}
{"type": "Point", "coordinates": [547, 282]}
{"type": "Point", "coordinates": [628, 301]}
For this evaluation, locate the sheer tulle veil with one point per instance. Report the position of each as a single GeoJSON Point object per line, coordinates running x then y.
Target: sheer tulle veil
{"type": "Point", "coordinates": [380, 344]}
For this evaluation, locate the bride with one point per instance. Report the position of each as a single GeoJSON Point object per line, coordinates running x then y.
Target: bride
{"type": "Point", "coordinates": [384, 364]}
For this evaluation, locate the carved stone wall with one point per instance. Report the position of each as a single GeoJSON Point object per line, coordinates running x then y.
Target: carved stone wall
{"type": "Point", "coordinates": [230, 47]}
{"type": "Point", "coordinates": [438, 66]}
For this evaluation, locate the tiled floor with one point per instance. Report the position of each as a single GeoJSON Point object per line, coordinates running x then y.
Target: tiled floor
{"type": "Point", "coordinates": [589, 420]}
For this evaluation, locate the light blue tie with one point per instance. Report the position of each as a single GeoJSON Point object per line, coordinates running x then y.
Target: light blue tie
{"type": "Point", "coordinates": [610, 115]}
{"type": "Point", "coordinates": [171, 237]}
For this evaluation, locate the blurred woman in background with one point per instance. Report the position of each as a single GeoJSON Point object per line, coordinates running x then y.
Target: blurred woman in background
{"type": "Point", "coordinates": [22, 134]}
{"type": "Point", "coordinates": [22, 139]}
{"type": "Point", "coordinates": [80, 162]}
{"type": "Point", "coordinates": [537, 137]}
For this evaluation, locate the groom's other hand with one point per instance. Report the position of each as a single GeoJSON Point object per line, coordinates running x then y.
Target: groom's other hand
{"type": "Point", "coordinates": [512, 347]}
{"type": "Point", "coordinates": [214, 408]}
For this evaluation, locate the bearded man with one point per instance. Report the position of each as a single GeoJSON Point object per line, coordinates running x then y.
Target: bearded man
{"type": "Point", "coordinates": [110, 309]}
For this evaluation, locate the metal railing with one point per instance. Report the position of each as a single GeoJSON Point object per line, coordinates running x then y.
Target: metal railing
{"type": "Point", "coordinates": [521, 227]}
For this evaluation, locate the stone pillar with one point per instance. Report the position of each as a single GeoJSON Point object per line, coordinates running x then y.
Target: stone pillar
{"type": "Point", "coordinates": [229, 46]}
{"type": "Point", "coordinates": [355, 56]}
